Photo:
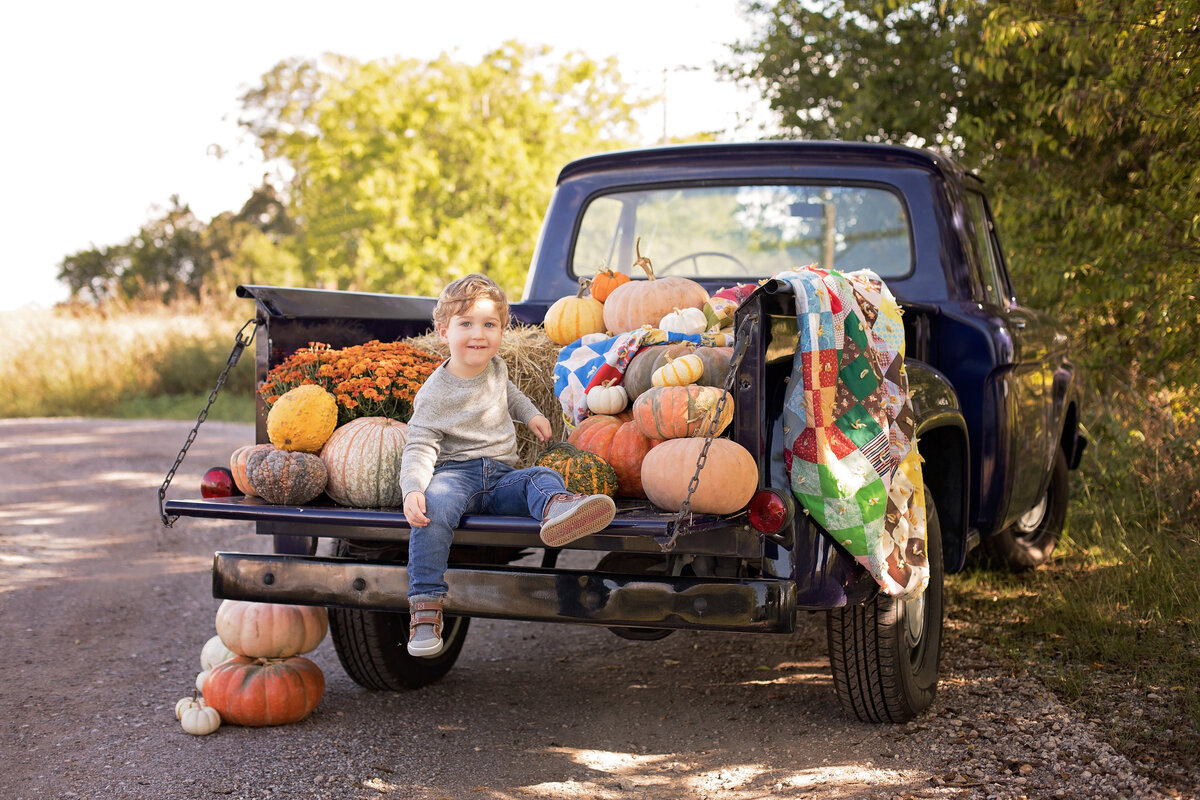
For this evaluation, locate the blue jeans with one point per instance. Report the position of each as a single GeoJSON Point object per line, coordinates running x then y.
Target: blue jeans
{"type": "Point", "coordinates": [471, 487]}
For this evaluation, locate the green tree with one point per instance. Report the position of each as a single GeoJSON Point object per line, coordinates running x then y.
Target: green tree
{"type": "Point", "coordinates": [402, 174]}
{"type": "Point", "coordinates": [1083, 117]}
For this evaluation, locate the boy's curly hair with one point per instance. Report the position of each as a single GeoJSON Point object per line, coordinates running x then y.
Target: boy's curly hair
{"type": "Point", "coordinates": [458, 297]}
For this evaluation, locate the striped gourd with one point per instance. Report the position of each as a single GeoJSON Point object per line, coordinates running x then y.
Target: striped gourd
{"type": "Point", "coordinates": [363, 457]}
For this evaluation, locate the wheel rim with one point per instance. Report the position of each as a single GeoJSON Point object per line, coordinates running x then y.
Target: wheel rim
{"type": "Point", "coordinates": [1031, 519]}
{"type": "Point", "coordinates": [914, 621]}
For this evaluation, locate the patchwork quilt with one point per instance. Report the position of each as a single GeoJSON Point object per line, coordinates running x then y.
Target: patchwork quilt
{"type": "Point", "coordinates": [852, 456]}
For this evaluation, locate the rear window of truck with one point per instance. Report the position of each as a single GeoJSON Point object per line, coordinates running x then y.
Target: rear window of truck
{"type": "Point", "coordinates": [743, 232]}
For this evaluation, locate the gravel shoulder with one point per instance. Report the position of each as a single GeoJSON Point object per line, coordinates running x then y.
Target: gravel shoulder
{"type": "Point", "coordinates": [104, 611]}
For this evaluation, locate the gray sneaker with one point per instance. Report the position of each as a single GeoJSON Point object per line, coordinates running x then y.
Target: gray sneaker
{"type": "Point", "coordinates": [425, 626]}
{"type": "Point", "coordinates": [572, 516]}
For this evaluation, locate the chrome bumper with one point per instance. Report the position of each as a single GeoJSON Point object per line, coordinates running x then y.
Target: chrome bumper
{"type": "Point", "coordinates": [520, 593]}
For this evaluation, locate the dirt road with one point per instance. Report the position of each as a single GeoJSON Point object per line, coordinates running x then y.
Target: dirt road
{"type": "Point", "coordinates": [103, 613]}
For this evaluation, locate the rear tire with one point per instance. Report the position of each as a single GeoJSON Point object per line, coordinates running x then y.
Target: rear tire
{"type": "Point", "coordinates": [884, 654]}
{"type": "Point", "coordinates": [1030, 542]}
{"type": "Point", "coordinates": [371, 646]}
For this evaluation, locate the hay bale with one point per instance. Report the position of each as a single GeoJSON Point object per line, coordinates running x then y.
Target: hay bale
{"type": "Point", "coordinates": [530, 356]}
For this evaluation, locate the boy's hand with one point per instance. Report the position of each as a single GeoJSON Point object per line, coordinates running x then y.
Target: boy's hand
{"type": "Point", "coordinates": [414, 509]}
{"type": "Point", "coordinates": [541, 428]}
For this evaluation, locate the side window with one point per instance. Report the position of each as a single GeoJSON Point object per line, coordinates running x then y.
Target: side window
{"type": "Point", "coordinates": [994, 284]}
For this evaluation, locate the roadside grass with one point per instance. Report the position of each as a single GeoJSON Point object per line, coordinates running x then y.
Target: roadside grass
{"type": "Point", "coordinates": [1116, 614]}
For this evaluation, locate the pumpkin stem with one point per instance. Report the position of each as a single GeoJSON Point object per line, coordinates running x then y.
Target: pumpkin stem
{"type": "Point", "coordinates": [584, 283]}
{"type": "Point", "coordinates": [642, 261]}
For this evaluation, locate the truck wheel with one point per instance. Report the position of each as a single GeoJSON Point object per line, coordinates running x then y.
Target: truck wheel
{"type": "Point", "coordinates": [884, 653]}
{"type": "Point", "coordinates": [1030, 542]}
{"type": "Point", "coordinates": [371, 647]}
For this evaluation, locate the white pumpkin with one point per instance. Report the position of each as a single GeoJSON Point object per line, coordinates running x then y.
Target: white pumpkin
{"type": "Point", "coordinates": [200, 720]}
{"type": "Point", "coordinates": [184, 703]}
{"type": "Point", "coordinates": [200, 676]}
{"type": "Point", "coordinates": [213, 653]}
{"type": "Point", "coordinates": [609, 397]}
{"type": "Point", "coordinates": [688, 321]}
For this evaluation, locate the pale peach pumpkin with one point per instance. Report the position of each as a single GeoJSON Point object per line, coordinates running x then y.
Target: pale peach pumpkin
{"type": "Point", "coordinates": [726, 483]}
{"type": "Point", "coordinates": [270, 630]}
{"type": "Point", "coordinates": [636, 303]}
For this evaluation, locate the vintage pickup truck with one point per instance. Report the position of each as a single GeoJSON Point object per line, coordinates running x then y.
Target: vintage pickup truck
{"type": "Point", "coordinates": [994, 395]}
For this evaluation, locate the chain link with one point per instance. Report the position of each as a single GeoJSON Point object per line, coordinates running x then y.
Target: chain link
{"type": "Point", "coordinates": [240, 342]}
{"type": "Point", "coordinates": [740, 344]}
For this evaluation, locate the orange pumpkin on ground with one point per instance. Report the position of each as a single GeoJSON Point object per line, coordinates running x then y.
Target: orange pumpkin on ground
{"type": "Point", "coordinates": [621, 443]}
{"type": "Point", "coordinates": [727, 482]}
{"type": "Point", "coordinates": [264, 691]}
{"type": "Point", "coordinates": [674, 412]}
{"type": "Point", "coordinates": [637, 303]}
{"type": "Point", "coordinates": [270, 630]}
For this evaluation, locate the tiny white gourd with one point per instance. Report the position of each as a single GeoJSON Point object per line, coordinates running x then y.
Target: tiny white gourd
{"type": "Point", "coordinates": [200, 676]}
{"type": "Point", "coordinates": [184, 704]}
{"type": "Point", "coordinates": [688, 321]}
{"type": "Point", "coordinates": [214, 652]}
{"type": "Point", "coordinates": [200, 719]}
{"type": "Point", "coordinates": [609, 397]}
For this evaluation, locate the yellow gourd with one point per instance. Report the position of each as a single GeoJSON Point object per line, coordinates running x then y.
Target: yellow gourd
{"type": "Point", "coordinates": [302, 419]}
{"type": "Point", "coordinates": [572, 317]}
{"type": "Point", "coordinates": [678, 371]}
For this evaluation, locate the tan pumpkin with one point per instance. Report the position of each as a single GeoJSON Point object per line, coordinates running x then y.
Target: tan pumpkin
{"type": "Point", "coordinates": [302, 419]}
{"type": "Point", "coordinates": [621, 443]}
{"type": "Point", "coordinates": [285, 478]}
{"type": "Point", "coordinates": [270, 630]}
{"type": "Point", "coordinates": [569, 318]}
{"type": "Point", "coordinates": [363, 458]}
{"type": "Point", "coordinates": [726, 483]}
{"type": "Point", "coordinates": [237, 465]}
{"type": "Point", "coordinates": [263, 691]}
{"type": "Point", "coordinates": [674, 412]}
{"type": "Point", "coordinates": [637, 303]}
{"type": "Point", "coordinates": [678, 371]}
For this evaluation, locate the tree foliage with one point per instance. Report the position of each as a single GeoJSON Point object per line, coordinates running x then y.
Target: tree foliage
{"type": "Point", "coordinates": [1083, 117]}
{"type": "Point", "coordinates": [403, 174]}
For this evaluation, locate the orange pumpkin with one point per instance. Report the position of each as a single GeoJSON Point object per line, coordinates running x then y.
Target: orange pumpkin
{"type": "Point", "coordinates": [604, 283]}
{"type": "Point", "coordinates": [636, 303]}
{"type": "Point", "coordinates": [569, 318]}
{"type": "Point", "coordinates": [264, 691]}
{"type": "Point", "coordinates": [237, 465]}
{"type": "Point", "coordinates": [674, 412]}
{"type": "Point", "coordinates": [270, 630]}
{"type": "Point", "coordinates": [727, 482]}
{"type": "Point", "coordinates": [621, 443]}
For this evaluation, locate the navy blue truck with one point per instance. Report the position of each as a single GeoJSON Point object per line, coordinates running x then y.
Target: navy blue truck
{"type": "Point", "coordinates": [995, 397]}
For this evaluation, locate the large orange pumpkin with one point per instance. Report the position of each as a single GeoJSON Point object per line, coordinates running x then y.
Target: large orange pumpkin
{"type": "Point", "coordinates": [674, 412]}
{"type": "Point", "coordinates": [621, 443]}
{"type": "Point", "coordinates": [637, 303]}
{"type": "Point", "coordinates": [264, 691]}
{"type": "Point", "coordinates": [727, 481]}
{"type": "Point", "coordinates": [270, 630]}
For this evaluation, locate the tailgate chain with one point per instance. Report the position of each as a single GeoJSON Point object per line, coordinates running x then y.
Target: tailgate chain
{"type": "Point", "coordinates": [240, 342]}
{"type": "Point", "coordinates": [740, 345]}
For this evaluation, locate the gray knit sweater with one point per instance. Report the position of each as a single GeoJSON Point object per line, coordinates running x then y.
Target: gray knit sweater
{"type": "Point", "coordinates": [459, 420]}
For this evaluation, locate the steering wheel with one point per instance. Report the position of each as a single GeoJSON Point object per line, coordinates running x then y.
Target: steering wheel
{"type": "Point", "coordinates": [695, 259]}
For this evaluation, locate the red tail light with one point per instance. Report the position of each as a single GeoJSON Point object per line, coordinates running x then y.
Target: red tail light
{"type": "Point", "coordinates": [770, 511]}
{"type": "Point", "coordinates": [218, 482]}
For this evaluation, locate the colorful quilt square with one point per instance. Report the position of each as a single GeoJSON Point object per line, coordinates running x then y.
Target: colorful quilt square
{"type": "Point", "coordinates": [855, 330]}
{"type": "Point", "coordinates": [860, 376]}
{"type": "Point", "coordinates": [859, 426]}
{"type": "Point", "coordinates": [872, 500]}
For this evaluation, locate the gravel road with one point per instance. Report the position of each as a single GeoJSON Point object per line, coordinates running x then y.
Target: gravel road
{"type": "Point", "coordinates": [103, 613]}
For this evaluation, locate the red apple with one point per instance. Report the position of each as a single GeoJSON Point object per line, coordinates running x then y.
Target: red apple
{"type": "Point", "coordinates": [218, 482]}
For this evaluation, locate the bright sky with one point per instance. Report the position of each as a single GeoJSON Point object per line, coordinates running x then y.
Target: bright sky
{"type": "Point", "coordinates": [110, 108]}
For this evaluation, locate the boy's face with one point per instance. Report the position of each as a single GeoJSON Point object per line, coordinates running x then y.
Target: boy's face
{"type": "Point", "coordinates": [473, 337]}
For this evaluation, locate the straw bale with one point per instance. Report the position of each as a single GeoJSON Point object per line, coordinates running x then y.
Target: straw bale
{"type": "Point", "coordinates": [530, 356]}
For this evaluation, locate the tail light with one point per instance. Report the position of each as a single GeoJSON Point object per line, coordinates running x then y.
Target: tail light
{"type": "Point", "coordinates": [218, 482]}
{"type": "Point", "coordinates": [770, 511]}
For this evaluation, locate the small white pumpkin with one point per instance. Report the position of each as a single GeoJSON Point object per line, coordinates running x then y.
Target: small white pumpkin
{"type": "Point", "coordinates": [609, 397]}
{"type": "Point", "coordinates": [184, 703]}
{"type": "Point", "coordinates": [689, 321]}
{"type": "Point", "coordinates": [213, 653]}
{"type": "Point", "coordinates": [200, 676]}
{"type": "Point", "coordinates": [200, 719]}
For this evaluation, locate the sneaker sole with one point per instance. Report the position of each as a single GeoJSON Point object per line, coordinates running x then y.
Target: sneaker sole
{"type": "Point", "coordinates": [591, 517]}
{"type": "Point", "coordinates": [426, 651]}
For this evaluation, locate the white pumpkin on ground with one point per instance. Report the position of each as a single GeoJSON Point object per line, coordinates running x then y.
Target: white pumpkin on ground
{"type": "Point", "coordinates": [363, 458]}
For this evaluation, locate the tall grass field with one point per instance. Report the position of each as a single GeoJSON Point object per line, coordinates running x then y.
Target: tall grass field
{"type": "Point", "coordinates": [1116, 613]}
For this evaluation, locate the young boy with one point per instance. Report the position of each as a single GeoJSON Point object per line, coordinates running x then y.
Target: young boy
{"type": "Point", "coordinates": [461, 449]}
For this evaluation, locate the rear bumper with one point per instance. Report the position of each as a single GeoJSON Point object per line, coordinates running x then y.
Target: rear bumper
{"type": "Point", "coordinates": [520, 593]}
